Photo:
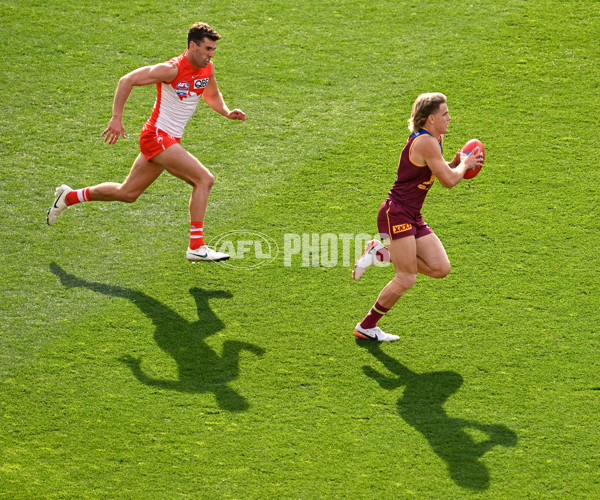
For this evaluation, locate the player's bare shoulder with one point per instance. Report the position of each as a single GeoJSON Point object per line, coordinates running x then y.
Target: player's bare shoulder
{"type": "Point", "coordinates": [148, 75]}
{"type": "Point", "coordinates": [166, 71]}
{"type": "Point", "coordinates": [424, 147]}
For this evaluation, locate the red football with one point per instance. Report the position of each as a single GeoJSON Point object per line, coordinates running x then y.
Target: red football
{"type": "Point", "coordinates": [467, 148]}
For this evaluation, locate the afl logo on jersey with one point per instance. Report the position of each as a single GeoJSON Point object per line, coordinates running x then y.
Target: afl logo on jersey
{"type": "Point", "coordinates": [200, 84]}
{"type": "Point", "coordinates": [181, 88]}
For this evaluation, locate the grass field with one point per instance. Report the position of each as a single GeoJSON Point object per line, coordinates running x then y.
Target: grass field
{"type": "Point", "coordinates": [126, 372]}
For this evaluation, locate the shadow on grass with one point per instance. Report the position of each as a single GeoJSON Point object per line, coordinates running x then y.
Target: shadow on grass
{"type": "Point", "coordinates": [421, 406]}
{"type": "Point", "coordinates": [200, 368]}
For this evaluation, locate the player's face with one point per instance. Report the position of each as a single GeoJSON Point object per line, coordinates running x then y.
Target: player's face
{"type": "Point", "coordinates": [442, 119]}
{"type": "Point", "coordinates": [201, 53]}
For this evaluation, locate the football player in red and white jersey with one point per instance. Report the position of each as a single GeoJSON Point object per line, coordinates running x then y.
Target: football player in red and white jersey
{"type": "Point", "coordinates": [180, 83]}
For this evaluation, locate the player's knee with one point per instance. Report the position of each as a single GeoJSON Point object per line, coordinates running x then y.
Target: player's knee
{"type": "Point", "coordinates": [130, 196]}
{"type": "Point", "coordinates": [210, 180]}
{"type": "Point", "coordinates": [404, 281]}
{"type": "Point", "coordinates": [441, 270]}
{"type": "Point", "coordinates": [205, 180]}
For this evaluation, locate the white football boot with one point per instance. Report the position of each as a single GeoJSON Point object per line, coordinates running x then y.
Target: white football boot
{"type": "Point", "coordinates": [367, 259]}
{"type": "Point", "coordinates": [205, 253]}
{"type": "Point", "coordinates": [376, 334]}
{"type": "Point", "coordinates": [59, 205]}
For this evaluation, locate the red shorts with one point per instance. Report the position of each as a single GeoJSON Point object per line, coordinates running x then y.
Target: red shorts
{"type": "Point", "coordinates": [398, 221]}
{"type": "Point", "coordinates": [153, 141]}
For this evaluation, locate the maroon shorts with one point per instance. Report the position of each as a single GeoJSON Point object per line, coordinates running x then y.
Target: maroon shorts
{"type": "Point", "coordinates": [398, 221]}
{"type": "Point", "coordinates": [154, 140]}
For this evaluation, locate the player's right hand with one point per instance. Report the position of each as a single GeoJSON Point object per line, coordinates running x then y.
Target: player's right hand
{"type": "Point", "coordinates": [474, 159]}
{"type": "Point", "coordinates": [114, 130]}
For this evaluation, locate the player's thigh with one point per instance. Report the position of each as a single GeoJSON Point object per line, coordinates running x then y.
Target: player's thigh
{"type": "Point", "coordinates": [142, 174]}
{"type": "Point", "coordinates": [182, 164]}
{"type": "Point", "coordinates": [403, 254]}
{"type": "Point", "coordinates": [431, 251]}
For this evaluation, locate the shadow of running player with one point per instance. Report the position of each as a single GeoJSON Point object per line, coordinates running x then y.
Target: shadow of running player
{"type": "Point", "coordinates": [200, 368]}
{"type": "Point", "coordinates": [421, 406]}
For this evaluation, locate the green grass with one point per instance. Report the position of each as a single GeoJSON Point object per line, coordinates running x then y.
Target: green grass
{"type": "Point", "coordinates": [126, 372]}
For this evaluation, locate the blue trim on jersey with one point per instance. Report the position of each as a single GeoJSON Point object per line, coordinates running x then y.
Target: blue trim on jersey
{"type": "Point", "coordinates": [422, 131]}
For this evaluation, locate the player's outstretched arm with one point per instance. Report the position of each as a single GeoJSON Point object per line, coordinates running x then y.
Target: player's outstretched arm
{"type": "Point", "coordinates": [148, 75]}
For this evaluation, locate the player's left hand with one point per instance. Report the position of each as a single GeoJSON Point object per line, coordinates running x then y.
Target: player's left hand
{"type": "Point", "coordinates": [456, 160]}
{"type": "Point", "coordinates": [237, 114]}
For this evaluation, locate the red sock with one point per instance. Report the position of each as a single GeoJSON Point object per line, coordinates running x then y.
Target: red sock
{"type": "Point", "coordinates": [77, 196]}
{"type": "Point", "coordinates": [196, 234]}
{"type": "Point", "coordinates": [375, 314]}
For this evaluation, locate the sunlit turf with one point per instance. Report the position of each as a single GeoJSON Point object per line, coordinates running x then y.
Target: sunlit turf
{"type": "Point", "coordinates": [127, 372]}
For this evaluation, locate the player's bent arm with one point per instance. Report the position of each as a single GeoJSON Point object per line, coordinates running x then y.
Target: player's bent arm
{"type": "Point", "coordinates": [164, 72]}
{"type": "Point", "coordinates": [427, 151]}
{"type": "Point", "coordinates": [213, 97]}
{"type": "Point", "coordinates": [147, 75]}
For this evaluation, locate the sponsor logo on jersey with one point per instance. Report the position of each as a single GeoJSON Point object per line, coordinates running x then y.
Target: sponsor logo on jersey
{"type": "Point", "coordinates": [400, 228]}
{"type": "Point", "coordinates": [200, 84]}
{"type": "Point", "coordinates": [181, 88]}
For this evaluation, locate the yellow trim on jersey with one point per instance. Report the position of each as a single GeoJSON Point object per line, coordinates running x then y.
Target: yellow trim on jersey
{"type": "Point", "coordinates": [413, 143]}
{"type": "Point", "coordinates": [410, 150]}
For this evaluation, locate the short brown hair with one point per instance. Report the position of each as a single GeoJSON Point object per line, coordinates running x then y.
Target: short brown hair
{"type": "Point", "coordinates": [425, 105]}
{"type": "Point", "coordinates": [199, 31]}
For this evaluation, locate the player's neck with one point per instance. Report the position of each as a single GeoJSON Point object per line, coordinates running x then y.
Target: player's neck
{"type": "Point", "coordinates": [186, 54]}
{"type": "Point", "coordinates": [435, 134]}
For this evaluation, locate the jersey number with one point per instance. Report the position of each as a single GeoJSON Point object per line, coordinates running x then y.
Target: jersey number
{"type": "Point", "coordinates": [427, 185]}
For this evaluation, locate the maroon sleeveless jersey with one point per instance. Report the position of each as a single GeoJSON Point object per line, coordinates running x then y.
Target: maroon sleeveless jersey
{"type": "Point", "coordinates": [413, 181]}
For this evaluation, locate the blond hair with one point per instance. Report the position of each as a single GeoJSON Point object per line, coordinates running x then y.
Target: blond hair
{"type": "Point", "coordinates": [425, 105]}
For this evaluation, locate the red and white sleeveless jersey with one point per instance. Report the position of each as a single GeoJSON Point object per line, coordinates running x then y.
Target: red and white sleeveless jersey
{"type": "Point", "coordinates": [176, 100]}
